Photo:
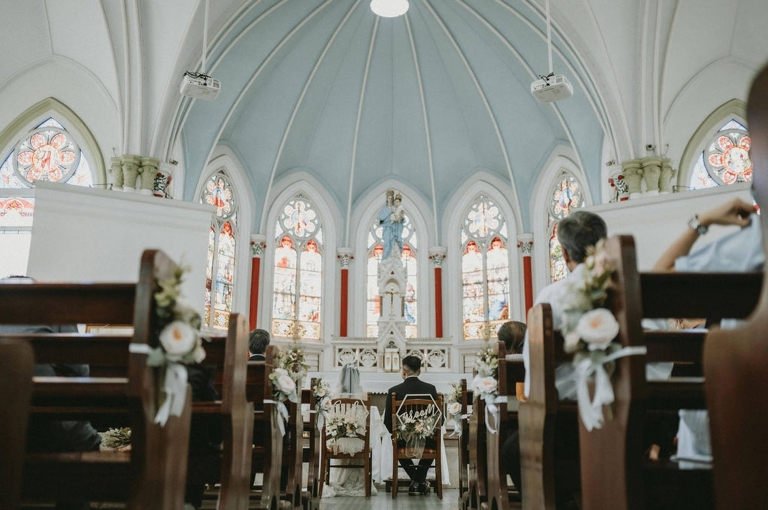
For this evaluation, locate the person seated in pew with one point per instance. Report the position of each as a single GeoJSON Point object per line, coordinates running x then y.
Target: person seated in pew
{"type": "Point", "coordinates": [512, 333]}
{"type": "Point", "coordinates": [258, 341]}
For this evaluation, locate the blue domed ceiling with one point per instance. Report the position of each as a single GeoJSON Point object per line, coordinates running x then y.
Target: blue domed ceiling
{"type": "Point", "coordinates": [427, 98]}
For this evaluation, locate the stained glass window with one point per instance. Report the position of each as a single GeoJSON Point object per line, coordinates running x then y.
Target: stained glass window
{"type": "Point", "coordinates": [725, 159]}
{"type": "Point", "coordinates": [222, 244]}
{"type": "Point", "coordinates": [484, 270]}
{"type": "Point", "coordinates": [410, 262]}
{"type": "Point", "coordinates": [566, 195]}
{"type": "Point", "coordinates": [298, 271]}
{"type": "Point", "coordinates": [47, 152]}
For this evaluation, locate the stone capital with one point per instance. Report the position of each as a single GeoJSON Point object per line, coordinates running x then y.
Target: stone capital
{"type": "Point", "coordinates": [525, 244]}
{"type": "Point", "coordinates": [345, 256]}
{"type": "Point", "coordinates": [633, 176]}
{"type": "Point", "coordinates": [258, 244]}
{"type": "Point", "coordinates": [437, 254]}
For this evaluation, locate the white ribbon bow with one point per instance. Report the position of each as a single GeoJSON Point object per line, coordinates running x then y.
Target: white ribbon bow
{"type": "Point", "coordinates": [591, 411]}
{"type": "Point", "coordinates": [174, 387]}
{"type": "Point", "coordinates": [282, 414]}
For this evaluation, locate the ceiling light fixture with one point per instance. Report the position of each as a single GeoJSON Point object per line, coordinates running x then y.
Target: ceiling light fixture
{"type": "Point", "coordinates": [389, 8]}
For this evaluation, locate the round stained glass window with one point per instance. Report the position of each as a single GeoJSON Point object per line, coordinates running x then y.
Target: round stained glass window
{"type": "Point", "coordinates": [727, 157]}
{"type": "Point", "coordinates": [566, 196]}
{"type": "Point", "coordinates": [482, 219]}
{"type": "Point", "coordinates": [48, 154]}
{"type": "Point", "coordinates": [218, 193]}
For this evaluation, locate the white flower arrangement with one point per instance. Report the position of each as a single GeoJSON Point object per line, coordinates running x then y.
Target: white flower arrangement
{"type": "Point", "coordinates": [323, 403]}
{"type": "Point", "coordinates": [589, 331]}
{"type": "Point", "coordinates": [486, 385]}
{"type": "Point", "coordinates": [286, 379]}
{"type": "Point", "coordinates": [453, 407]}
{"type": "Point", "coordinates": [416, 424]}
{"type": "Point", "coordinates": [178, 327]}
{"type": "Point", "coordinates": [340, 426]}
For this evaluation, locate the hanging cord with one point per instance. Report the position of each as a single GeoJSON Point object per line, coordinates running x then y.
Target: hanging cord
{"type": "Point", "coordinates": [202, 73]}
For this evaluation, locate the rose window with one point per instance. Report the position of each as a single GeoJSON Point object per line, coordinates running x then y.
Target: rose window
{"type": "Point", "coordinates": [218, 193]}
{"type": "Point", "coordinates": [728, 158]}
{"type": "Point", "coordinates": [48, 154]}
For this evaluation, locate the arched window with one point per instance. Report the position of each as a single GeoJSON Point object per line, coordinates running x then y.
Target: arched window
{"type": "Point", "coordinates": [47, 152]}
{"type": "Point", "coordinates": [484, 269]}
{"type": "Point", "coordinates": [298, 271]}
{"type": "Point", "coordinates": [725, 158]}
{"type": "Point", "coordinates": [410, 262]}
{"type": "Point", "coordinates": [222, 247]}
{"type": "Point", "coordinates": [566, 194]}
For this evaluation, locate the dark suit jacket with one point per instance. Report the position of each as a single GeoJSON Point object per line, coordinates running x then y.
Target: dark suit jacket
{"type": "Point", "coordinates": [410, 386]}
{"type": "Point", "coordinates": [257, 357]}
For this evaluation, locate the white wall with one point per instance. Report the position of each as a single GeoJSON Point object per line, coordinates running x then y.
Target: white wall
{"type": "Point", "coordinates": [656, 222]}
{"type": "Point", "coordinates": [83, 234]}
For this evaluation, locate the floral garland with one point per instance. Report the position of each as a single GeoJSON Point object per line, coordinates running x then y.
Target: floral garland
{"type": "Point", "coordinates": [178, 325]}
{"type": "Point", "coordinates": [453, 407]}
{"type": "Point", "coordinates": [290, 369]}
{"type": "Point", "coordinates": [323, 403]}
{"type": "Point", "coordinates": [589, 331]}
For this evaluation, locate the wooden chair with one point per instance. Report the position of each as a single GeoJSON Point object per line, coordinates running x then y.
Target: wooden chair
{"type": "Point", "coordinates": [16, 365]}
{"type": "Point", "coordinates": [348, 407]}
{"type": "Point", "coordinates": [736, 364]}
{"type": "Point", "coordinates": [415, 405]}
{"type": "Point", "coordinates": [153, 474]}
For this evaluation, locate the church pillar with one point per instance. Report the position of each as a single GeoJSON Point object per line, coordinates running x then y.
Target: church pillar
{"type": "Point", "coordinates": [525, 245]}
{"type": "Point", "coordinates": [258, 244]}
{"type": "Point", "coordinates": [345, 256]}
{"type": "Point", "coordinates": [437, 255]}
{"type": "Point", "coordinates": [633, 176]}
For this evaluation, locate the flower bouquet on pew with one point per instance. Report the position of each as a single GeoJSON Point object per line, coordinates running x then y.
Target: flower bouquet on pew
{"type": "Point", "coordinates": [323, 403]}
{"type": "Point", "coordinates": [453, 407]}
{"type": "Point", "coordinates": [486, 385]}
{"type": "Point", "coordinates": [589, 331]}
{"type": "Point", "coordinates": [178, 325]}
{"type": "Point", "coordinates": [286, 378]}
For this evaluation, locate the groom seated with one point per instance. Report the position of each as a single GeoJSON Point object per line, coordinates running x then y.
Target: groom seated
{"type": "Point", "coordinates": [411, 385]}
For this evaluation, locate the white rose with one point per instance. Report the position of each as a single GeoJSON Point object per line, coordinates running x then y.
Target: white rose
{"type": "Point", "coordinates": [598, 328]}
{"type": "Point", "coordinates": [286, 384]}
{"type": "Point", "coordinates": [281, 372]}
{"type": "Point", "coordinates": [199, 354]}
{"type": "Point", "coordinates": [571, 341]}
{"type": "Point", "coordinates": [326, 404]}
{"type": "Point", "coordinates": [320, 392]}
{"type": "Point", "coordinates": [486, 385]}
{"type": "Point", "coordinates": [454, 408]}
{"type": "Point", "coordinates": [178, 338]}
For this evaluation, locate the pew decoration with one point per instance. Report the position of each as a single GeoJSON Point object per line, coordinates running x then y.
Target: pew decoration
{"type": "Point", "coordinates": [486, 385]}
{"type": "Point", "coordinates": [180, 344]}
{"type": "Point", "coordinates": [453, 407]}
{"type": "Point", "coordinates": [589, 331]}
{"type": "Point", "coordinates": [290, 369]}
{"type": "Point", "coordinates": [345, 426]}
{"type": "Point", "coordinates": [116, 439]}
{"type": "Point", "coordinates": [415, 426]}
{"type": "Point", "coordinates": [323, 403]}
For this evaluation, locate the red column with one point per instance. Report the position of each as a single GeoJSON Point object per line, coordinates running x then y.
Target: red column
{"type": "Point", "coordinates": [437, 255]}
{"type": "Point", "coordinates": [257, 248]}
{"type": "Point", "coordinates": [345, 256]}
{"type": "Point", "coordinates": [525, 244]}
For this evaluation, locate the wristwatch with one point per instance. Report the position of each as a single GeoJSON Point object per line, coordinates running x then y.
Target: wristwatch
{"type": "Point", "coordinates": [696, 225]}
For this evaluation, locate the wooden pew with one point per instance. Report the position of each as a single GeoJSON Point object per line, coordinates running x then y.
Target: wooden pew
{"type": "Point", "coordinates": [153, 474]}
{"type": "Point", "coordinates": [615, 473]}
{"type": "Point", "coordinates": [293, 456]}
{"type": "Point", "coordinates": [477, 491]}
{"type": "Point", "coordinates": [509, 374]}
{"type": "Point", "coordinates": [230, 467]}
{"type": "Point", "coordinates": [736, 364]}
{"type": "Point", "coordinates": [267, 449]}
{"type": "Point", "coordinates": [466, 399]}
{"type": "Point", "coordinates": [16, 364]}
{"type": "Point", "coordinates": [546, 423]}
{"type": "Point", "coordinates": [311, 452]}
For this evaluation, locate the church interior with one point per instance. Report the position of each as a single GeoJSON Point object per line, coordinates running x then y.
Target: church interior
{"type": "Point", "coordinates": [367, 186]}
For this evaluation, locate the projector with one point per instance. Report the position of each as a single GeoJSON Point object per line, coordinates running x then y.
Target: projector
{"type": "Point", "coordinates": [199, 86]}
{"type": "Point", "coordinates": [551, 88]}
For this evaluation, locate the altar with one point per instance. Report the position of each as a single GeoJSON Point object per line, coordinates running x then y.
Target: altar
{"type": "Point", "coordinates": [377, 383]}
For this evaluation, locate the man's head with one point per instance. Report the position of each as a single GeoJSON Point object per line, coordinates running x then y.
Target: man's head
{"type": "Point", "coordinates": [512, 333]}
{"type": "Point", "coordinates": [411, 366]}
{"type": "Point", "coordinates": [577, 232]}
{"type": "Point", "coordinates": [258, 341]}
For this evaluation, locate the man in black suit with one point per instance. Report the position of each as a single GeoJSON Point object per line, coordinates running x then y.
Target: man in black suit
{"type": "Point", "coordinates": [258, 341]}
{"type": "Point", "coordinates": [411, 385]}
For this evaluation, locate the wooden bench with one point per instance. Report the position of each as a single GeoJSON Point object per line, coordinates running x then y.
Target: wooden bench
{"type": "Point", "coordinates": [16, 365]}
{"type": "Point", "coordinates": [736, 364]}
{"type": "Point", "coordinates": [311, 451]}
{"type": "Point", "coordinates": [293, 457]}
{"type": "Point", "coordinates": [267, 449]}
{"type": "Point", "coordinates": [615, 472]}
{"type": "Point", "coordinates": [153, 474]}
{"type": "Point", "coordinates": [463, 453]}
{"type": "Point", "coordinates": [231, 466]}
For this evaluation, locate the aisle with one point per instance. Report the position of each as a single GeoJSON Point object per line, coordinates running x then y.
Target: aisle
{"type": "Point", "coordinates": [384, 501]}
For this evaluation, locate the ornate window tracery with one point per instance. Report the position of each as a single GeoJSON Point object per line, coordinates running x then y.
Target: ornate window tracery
{"type": "Point", "coordinates": [725, 158]}
{"type": "Point", "coordinates": [566, 194]}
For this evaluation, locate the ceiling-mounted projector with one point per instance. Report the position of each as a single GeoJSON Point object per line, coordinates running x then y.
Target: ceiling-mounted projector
{"type": "Point", "coordinates": [199, 86]}
{"type": "Point", "coordinates": [551, 88]}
